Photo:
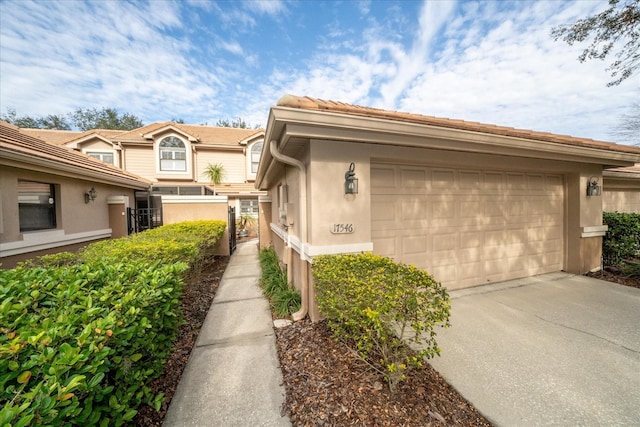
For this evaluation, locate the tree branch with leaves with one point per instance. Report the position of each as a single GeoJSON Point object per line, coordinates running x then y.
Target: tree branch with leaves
{"type": "Point", "coordinates": [617, 29]}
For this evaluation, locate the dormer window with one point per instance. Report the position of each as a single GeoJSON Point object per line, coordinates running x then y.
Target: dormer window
{"type": "Point", "coordinates": [173, 155]}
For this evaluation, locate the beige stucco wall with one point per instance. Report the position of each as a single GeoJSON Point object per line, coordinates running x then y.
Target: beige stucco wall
{"type": "Point", "coordinates": [118, 220]}
{"type": "Point", "coordinates": [74, 217]}
{"type": "Point", "coordinates": [327, 162]}
{"type": "Point", "coordinates": [193, 208]}
{"type": "Point", "coordinates": [622, 201]}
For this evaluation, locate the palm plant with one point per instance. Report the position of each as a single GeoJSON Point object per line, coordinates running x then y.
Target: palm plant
{"type": "Point", "coordinates": [215, 173]}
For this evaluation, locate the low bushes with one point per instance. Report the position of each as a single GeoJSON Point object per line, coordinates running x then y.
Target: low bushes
{"type": "Point", "coordinates": [622, 240]}
{"type": "Point", "coordinates": [284, 298]}
{"type": "Point", "coordinates": [380, 306]}
{"type": "Point", "coordinates": [81, 334]}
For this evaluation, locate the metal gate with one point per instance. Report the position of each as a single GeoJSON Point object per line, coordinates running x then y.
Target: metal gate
{"type": "Point", "coordinates": [232, 230]}
{"type": "Point", "coordinates": [143, 219]}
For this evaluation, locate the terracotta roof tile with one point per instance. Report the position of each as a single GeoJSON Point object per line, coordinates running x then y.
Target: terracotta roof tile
{"type": "Point", "coordinates": [205, 134]}
{"type": "Point", "coordinates": [57, 137]}
{"type": "Point", "coordinates": [14, 140]}
{"type": "Point", "coordinates": [310, 103]}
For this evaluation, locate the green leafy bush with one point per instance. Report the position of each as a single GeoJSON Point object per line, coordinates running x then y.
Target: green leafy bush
{"type": "Point", "coordinates": [80, 341]}
{"type": "Point", "coordinates": [622, 240]}
{"type": "Point", "coordinates": [381, 307]}
{"type": "Point", "coordinates": [284, 298]}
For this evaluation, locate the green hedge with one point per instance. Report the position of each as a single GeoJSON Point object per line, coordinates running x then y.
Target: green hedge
{"type": "Point", "coordinates": [622, 240]}
{"type": "Point", "coordinates": [82, 334]}
{"type": "Point", "coordinates": [381, 306]}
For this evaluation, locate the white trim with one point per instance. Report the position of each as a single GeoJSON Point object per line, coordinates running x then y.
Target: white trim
{"type": "Point", "coordinates": [310, 251]}
{"type": "Point", "coordinates": [42, 240]}
{"type": "Point", "coordinates": [174, 199]}
{"type": "Point", "coordinates": [118, 200]}
{"type": "Point", "coordinates": [188, 157]}
{"type": "Point", "coordinates": [349, 248]}
{"type": "Point", "coordinates": [116, 162]}
{"type": "Point", "coordinates": [594, 231]}
{"type": "Point", "coordinates": [264, 199]}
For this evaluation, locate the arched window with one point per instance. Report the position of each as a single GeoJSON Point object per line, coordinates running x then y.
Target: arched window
{"type": "Point", "coordinates": [173, 154]}
{"type": "Point", "coordinates": [256, 150]}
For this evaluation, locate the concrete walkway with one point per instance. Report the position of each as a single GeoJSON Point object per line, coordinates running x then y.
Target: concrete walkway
{"type": "Point", "coordinates": [550, 350]}
{"type": "Point", "coordinates": [233, 376]}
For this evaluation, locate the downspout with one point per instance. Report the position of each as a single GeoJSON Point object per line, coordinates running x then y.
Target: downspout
{"type": "Point", "coordinates": [304, 291]}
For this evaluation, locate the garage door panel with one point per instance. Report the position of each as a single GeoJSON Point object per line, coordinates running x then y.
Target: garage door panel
{"type": "Point", "coordinates": [385, 246]}
{"type": "Point", "coordinates": [383, 180]}
{"type": "Point", "coordinates": [466, 226]}
{"type": "Point", "coordinates": [414, 181]}
{"type": "Point", "coordinates": [414, 245]}
{"type": "Point", "coordinates": [414, 209]}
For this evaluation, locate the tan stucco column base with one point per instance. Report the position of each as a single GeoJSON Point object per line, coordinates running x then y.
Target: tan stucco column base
{"type": "Point", "coordinates": [590, 254]}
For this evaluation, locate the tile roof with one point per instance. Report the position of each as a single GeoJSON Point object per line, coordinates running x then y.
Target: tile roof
{"type": "Point", "coordinates": [204, 134]}
{"type": "Point", "coordinates": [13, 141]}
{"type": "Point", "coordinates": [308, 103]}
{"type": "Point", "coordinates": [631, 171]}
{"type": "Point", "coordinates": [57, 137]}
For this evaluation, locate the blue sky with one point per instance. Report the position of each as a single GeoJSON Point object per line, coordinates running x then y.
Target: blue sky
{"type": "Point", "coordinates": [488, 61]}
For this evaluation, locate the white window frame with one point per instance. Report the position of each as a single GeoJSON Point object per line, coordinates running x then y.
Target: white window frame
{"type": "Point", "coordinates": [89, 153]}
{"type": "Point", "coordinates": [255, 209]}
{"type": "Point", "coordinates": [251, 176]}
{"type": "Point", "coordinates": [188, 156]}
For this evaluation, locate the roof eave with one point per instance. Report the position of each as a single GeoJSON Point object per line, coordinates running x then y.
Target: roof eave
{"type": "Point", "coordinates": [15, 159]}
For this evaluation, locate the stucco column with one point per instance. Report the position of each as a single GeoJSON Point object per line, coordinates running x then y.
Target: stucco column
{"type": "Point", "coordinates": [118, 215]}
{"type": "Point", "coordinates": [264, 221]}
{"type": "Point", "coordinates": [584, 223]}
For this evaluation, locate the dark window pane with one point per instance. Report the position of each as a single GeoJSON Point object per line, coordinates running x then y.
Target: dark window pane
{"type": "Point", "coordinates": [36, 206]}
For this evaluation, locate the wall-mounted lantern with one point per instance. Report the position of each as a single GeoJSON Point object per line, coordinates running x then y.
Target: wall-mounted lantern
{"type": "Point", "coordinates": [350, 180]}
{"type": "Point", "coordinates": [90, 195]}
{"type": "Point", "coordinates": [593, 189]}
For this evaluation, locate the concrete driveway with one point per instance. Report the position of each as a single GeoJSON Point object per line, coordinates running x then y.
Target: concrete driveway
{"type": "Point", "coordinates": [551, 350]}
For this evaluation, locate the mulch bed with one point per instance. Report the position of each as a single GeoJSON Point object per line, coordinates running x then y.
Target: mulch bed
{"type": "Point", "coordinates": [326, 383]}
{"type": "Point", "coordinates": [613, 274]}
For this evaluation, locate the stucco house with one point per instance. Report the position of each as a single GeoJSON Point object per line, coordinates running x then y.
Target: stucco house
{"type": "Point", "coordinates": [621, 190]}
{"type": "Point", "coordinates": [173, 156]}
{"type": "Point", "coordinates": [471, 203]}
{"type": "Point", "coordinates": [54, 199]}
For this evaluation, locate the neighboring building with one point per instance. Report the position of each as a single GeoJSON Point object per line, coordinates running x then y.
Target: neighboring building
{"type": "Point", "coordinates": [621, 190]}
{"type": "Point", "coordinates": [470, 203]}
{"type": "Point", "coordinates": [54, 199]}
{"type": "Point", "coordinates": [173, 157]}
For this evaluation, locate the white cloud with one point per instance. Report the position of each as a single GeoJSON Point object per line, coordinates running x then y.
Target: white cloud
{"type": "Point", "coordinates": [493, 62]}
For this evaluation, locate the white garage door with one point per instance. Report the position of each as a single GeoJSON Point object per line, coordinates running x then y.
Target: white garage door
{"type": "Point", "coordinates": [468, 227]}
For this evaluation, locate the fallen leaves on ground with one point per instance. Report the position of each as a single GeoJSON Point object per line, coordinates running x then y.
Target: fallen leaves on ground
{"type": "Point", "coordinates": [327, 384]}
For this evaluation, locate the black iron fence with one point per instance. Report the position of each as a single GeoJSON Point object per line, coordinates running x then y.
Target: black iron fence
{"type": "Point", "coordinates": [143, 219]}
{"type": "Point", "coordinates": [232, 230]}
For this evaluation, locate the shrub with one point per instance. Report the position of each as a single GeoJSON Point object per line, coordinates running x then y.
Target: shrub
{"type": "Point", "coordinates": [80, 341]}
{"type": "Point", "coordinates": [381, 306]}
{"type": "Point", "coordinates": [622, 240]}
{"type": "Point", "coordinates": [284, 298]}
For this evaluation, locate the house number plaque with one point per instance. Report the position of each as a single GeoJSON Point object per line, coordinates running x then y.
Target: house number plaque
{"type": "Point", "coordinates": [342, 228]}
